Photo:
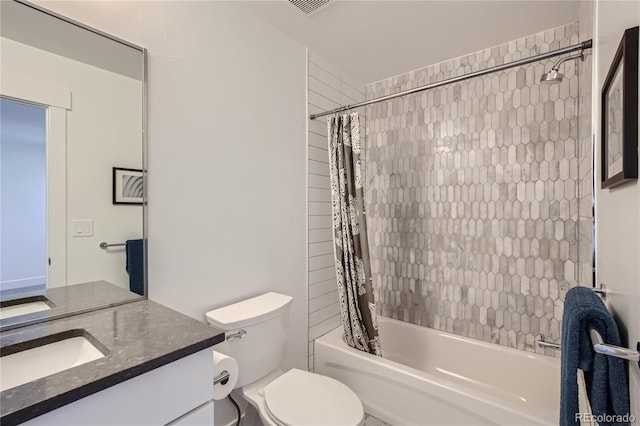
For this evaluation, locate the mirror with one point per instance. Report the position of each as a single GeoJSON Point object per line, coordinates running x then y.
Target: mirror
{"type": "Point", "coordinates": [72, 161]}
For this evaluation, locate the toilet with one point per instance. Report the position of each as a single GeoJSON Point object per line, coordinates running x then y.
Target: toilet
{"type": "Point", "coordinates": [256, 332]}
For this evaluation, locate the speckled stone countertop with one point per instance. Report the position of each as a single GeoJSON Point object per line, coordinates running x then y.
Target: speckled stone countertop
{"type": "Point", "coordinates": [137, 337]}
{"type": "Point", "coordinates": [71, 298]}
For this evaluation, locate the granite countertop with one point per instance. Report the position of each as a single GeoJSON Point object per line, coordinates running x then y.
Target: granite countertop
{"type": "Point", "coordinates": [137, 337]}
{"type": "Point", "coordinates": [68, 299]}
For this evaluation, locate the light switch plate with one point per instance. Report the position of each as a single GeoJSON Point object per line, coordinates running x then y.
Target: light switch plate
{"type": "Point", "coordinates": [82, 228]}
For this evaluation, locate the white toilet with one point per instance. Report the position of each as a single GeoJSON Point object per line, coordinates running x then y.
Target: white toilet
{"type": "Point", "coordinates": [256, 332]}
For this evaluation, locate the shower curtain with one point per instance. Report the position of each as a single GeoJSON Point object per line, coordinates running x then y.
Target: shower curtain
{"type": "Point", "coordinates": [351, 247]}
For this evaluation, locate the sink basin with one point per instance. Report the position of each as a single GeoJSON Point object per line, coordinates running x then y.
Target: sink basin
{"type": "Point", "coordinates": [28, 305]}
{"type": "Point", "coordinates": [67, 351]}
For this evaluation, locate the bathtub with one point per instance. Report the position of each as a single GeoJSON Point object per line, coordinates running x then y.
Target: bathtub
{"type": "Point", "coordinates": [429, 377]}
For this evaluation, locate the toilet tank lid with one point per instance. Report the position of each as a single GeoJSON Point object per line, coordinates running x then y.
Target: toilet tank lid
{"type": "Point", "coordinates": [250, 311]}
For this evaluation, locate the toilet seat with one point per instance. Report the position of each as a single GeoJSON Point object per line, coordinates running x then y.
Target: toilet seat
{"type": "Point", "coordinates": [301, 398]}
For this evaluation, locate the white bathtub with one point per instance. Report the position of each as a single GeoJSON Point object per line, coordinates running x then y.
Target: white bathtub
{"type": "Point", "coordinates": [428, 377]}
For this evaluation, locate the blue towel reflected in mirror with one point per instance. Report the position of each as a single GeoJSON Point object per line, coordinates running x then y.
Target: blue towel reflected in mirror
{"type": "Point", "coordinates": [135, 266]}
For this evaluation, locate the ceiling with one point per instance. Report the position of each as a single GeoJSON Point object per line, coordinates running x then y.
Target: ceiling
{"type": "Point", "coordinates": [374, 40]}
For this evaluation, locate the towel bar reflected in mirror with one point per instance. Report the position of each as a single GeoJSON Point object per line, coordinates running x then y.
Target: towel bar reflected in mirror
{"type": "Point", "coordinates": [104, 245]}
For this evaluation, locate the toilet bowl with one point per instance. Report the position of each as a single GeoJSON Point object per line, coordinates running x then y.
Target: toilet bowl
{"type": "Point", "coordinates": [256, 336]}
{"type": "Point", "coordinates": [299, 397]}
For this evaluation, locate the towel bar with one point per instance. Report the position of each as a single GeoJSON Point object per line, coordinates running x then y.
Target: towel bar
{"type": "Point", "coordinates": [542, 343]}
{"type": "Point", "coordinates": [616, 351]}
{"type": "Point", "coordinates": [598, 344]}
{"type": "Point", "coordinates": [601, 290]}
{"type": "Point", "coordinates": [600, 347]}
{"type": "Point", "coordinates": [105, 245]}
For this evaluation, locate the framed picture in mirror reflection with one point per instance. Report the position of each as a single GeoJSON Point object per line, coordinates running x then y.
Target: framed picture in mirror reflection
{"type": "Point", "coordinates": [128, 186]}
{"type": "Point", "coordinates": [619, 122]}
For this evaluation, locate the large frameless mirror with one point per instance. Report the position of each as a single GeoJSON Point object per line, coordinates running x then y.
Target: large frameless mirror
{"type": "Point", "coordinates": [71, 167]}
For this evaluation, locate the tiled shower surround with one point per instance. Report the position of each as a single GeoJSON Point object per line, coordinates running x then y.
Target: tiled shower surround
{"type": "Point", "coordinates": [472, 195]}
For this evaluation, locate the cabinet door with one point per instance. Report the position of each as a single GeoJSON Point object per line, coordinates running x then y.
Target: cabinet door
{"type": "Point", "coordinates": [201, 416]}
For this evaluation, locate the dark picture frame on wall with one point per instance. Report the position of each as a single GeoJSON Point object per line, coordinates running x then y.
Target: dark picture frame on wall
{"type": "Point", "coordinates": [128, 186]}
{"type": "Point", "coordinates": [619, 119]}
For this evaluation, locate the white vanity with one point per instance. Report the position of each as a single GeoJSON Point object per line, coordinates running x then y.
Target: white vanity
{"type": "Point", "coordinates": [154, 367]}
{"type": "Point", "coordinates": [179, 392]}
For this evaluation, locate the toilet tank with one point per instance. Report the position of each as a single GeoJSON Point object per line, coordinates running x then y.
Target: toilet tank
{"type": "Point", "coordinates": [256, 333]}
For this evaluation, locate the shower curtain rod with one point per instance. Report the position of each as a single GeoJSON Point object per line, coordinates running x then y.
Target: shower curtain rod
{"type": "Point", "coordinates": [580, 46]}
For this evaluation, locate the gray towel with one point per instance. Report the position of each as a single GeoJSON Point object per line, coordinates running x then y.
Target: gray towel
{"type": "Point", "coordinates": [605, 376]}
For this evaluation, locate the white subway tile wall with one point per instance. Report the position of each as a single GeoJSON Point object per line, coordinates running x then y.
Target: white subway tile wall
{"type": "Point", "coordinates": [328, 88]}
{"type": "Point", "coordinates": [472, 195]}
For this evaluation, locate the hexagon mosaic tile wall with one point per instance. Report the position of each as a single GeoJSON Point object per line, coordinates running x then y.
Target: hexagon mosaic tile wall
{"type": "Point", "coordinates": [472, 195]}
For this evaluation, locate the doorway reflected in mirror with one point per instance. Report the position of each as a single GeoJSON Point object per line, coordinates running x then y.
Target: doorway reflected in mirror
{"type": "Point", "coordinates": [23, 197]}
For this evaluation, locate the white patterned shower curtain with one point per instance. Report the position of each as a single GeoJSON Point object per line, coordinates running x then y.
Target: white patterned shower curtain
{"type": "Point", "coordinates": [351, 247]}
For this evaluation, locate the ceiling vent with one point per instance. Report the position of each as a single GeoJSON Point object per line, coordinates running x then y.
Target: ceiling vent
{"type": "Point", "coordinates": [309, 6]}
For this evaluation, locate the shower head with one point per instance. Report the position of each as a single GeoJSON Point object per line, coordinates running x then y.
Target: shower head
{"type": "Point", "coordinates": [555, 76]}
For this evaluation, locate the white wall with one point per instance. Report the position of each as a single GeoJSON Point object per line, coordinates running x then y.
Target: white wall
{"type": "Point", "coordinates": [23, 207]}
{"type": "Point", "coordinates": [618, 209]}
{"type": "Point", "coordinates": [226, 153]}
{"type": "Point", "coordinates": [103, 130]}
{"type": "Point", "coordinates": [328, 87]}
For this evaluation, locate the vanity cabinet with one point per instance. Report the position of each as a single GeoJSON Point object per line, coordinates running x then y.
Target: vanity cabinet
{"type": "Point", "coordinates": [158, 397]}
{"type": "Point", "coordinates": [202, 415]}
{"type": "Point", "coordinates": [157, 367]}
